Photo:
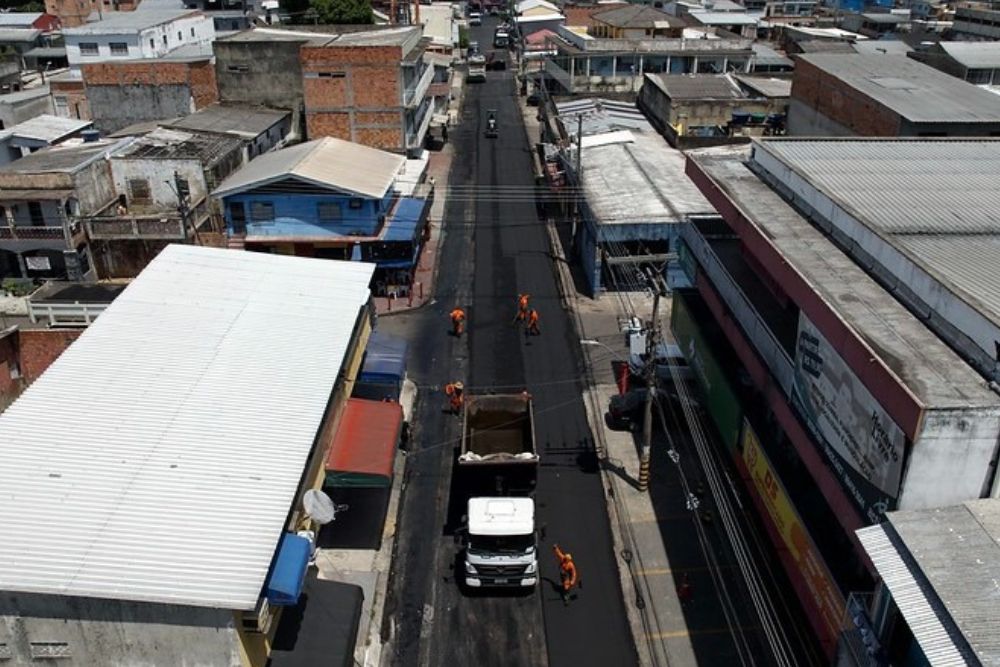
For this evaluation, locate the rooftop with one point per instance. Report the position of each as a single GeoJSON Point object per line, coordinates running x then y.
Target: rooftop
{"type": "Point", "coordinates": [917, 92]}
{"type": "Point", "coordinates": [243, 121]}
{"type": "Point", "coordinates": [9, 19]}
{"type": "Point", "coordinates": [934, 200]}
{"type": "Point", "coordinates": [934, 373]}
{"type": "Point", "coordinates": [884, 47]}
{"type": "Point", "coordinates": [974, 55]}
{"type": "Point", "coordinates": [277, 35]}
{"type": "Point", "coordinates": [886, 19]}
{"type": "Point", "coordinates": [697, 86]}
{"type": "Point", "coordinates": [19, 35]}
{"type": "Point", "coordinates": [172, 144]}
{"type": "Point", "coordinates": [600, 116]}
{"type": "Point", "coordinates": [402, 36]}
{"type": "Point", "coordinates": [766, 86]}
{"type": "Point", "coordinates": [724, 18]}
{"type": "Point", "coordinates": [637, 17]}
{"type": "Point", "coordinates": [204, 420]}
{"type": "Point", "coordinates": [942, 567]}
{"type": "Point", "coordinates": [638, 179]}
{"type": "Point", "coordinates": [328, 162]}
{"type": "Point", "coordinates": [123, 23]}
{"type": "Point", "coordinates": [48, 128]}
{"type": "Point", "coordinates": [66, 158]}
{"type": "Point", "coordinates": [765, 55]}
{"type": "Point", "coordinates": [25, 95]}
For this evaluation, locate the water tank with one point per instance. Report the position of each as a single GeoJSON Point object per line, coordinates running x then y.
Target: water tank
{"type": "Point", "coordinates": [90, 136]}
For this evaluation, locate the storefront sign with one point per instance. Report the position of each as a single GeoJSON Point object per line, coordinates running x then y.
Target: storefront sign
{"type": "Point", "coordinates": [859, 438]}
{"type": "Point", "coordinates": [825, 594]}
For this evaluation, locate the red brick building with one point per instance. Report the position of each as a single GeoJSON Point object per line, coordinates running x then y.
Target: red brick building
{"type": "Point", "coordinates": [73, 13]}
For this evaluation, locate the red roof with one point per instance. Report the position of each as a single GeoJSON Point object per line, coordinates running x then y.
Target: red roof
{"type": "Point", "coordinates": [539, 37]}
{"type": "Point", "coordinates": [366, 438]}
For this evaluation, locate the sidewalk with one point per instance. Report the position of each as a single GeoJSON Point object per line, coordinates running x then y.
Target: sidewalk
{"type": "Point", "coordinates": [659, 626]}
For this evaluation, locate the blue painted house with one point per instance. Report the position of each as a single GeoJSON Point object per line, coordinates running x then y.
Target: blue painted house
{"type": "Point", "coordinates": [327, 198]}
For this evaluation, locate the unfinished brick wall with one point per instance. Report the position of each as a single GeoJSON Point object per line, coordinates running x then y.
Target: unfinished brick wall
{"type": "Point", "coordinates": [8, 361]}
{"type": "Point", "coordinates": [76, 97]}
{"type": "Point", "coordinates": [353, 93]}
{"type": "Point", "coordinates": [203, 86]}
{"type": "Point", "coordinates": [842, 103]}
{"type": "Point", "coordinates": [40, 347]}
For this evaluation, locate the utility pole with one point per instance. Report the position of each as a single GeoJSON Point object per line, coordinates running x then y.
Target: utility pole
{"type": "Point", "coordinates": [579, 183]}
{"type": "Point", "coordinates": [652, 338]}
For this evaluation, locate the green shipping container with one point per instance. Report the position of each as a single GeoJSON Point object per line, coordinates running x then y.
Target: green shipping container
{"type": "Point", "coordinates": [720, 399]}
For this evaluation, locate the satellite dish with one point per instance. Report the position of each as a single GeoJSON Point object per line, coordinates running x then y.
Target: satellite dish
{"type": "Point", "coordinates": [318, 506]}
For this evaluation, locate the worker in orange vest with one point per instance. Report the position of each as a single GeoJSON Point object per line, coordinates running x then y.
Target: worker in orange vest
{"type": "Point", "coordinates": [522, 307]}
{"type": "Point", "coordinates": [455, 392]}
{"type": "Point", "coordinates": [457, 321]}
{"type": "Point", "coordinates": [567, 572]}
{"type": "Point", "coordinates": [532, 324]}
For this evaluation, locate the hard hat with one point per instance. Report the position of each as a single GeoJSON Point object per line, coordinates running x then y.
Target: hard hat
{"type": "Point", "coordinates": [459, 385]}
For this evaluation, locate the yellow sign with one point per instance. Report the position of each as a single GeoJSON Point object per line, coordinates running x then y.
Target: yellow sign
{"type": "Point", "coordinates": [785, 518]}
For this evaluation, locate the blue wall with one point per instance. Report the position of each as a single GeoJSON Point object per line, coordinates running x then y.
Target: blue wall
{"type": "Point", "coordinates": [298, 214]}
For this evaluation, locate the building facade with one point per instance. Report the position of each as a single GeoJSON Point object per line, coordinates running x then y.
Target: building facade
{"type": "Point", "coordinates": [848, 404]}
{"type": "Point", "coordinates": [888, 96]}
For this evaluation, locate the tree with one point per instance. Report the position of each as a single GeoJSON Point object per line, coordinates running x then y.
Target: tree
{"type": "Point", "coordinates": [343, 11]}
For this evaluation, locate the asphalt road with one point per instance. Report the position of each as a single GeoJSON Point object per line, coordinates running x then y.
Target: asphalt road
{"type": "Point", "coordinates": [494, 248]}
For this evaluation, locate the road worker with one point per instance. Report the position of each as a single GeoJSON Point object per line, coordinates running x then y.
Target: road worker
{"type": "Point", "coordinates": [532, 324]}
{"type": "Point", "coordinates": [455, 392]}
{"type": "Point", "coordinates": [522, 307]}
{"type": "Point", "coordinates": [457, 321]}
{"type": "Point", "coordinates": [567, 572]}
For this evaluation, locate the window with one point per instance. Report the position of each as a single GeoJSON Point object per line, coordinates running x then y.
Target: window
{"type": "Point", "coordinates": [35, 213]}
{"type": "Point", "coordinates": [979, 76]}
{"type": "Point", "coordinates": [262, 211]}
{"type": "Point", "coordinates": [183, 187]}
{"type": "Point", "coordinates": [89, 49]}
{"type": "Point", "coordinates": [119, 48]}
{"type": "Point", "coordinates": [329, 212]}
{"type": "Point", "coordinates": [164, 40]}
{"type": "Point", "coordinates": [180, 36]}
{"type": "Point", "coordinates": [152, 43]}
{"type": "Point", "coordinates": [357, 203]}
{"type": "Point", "coordinates": [61, 105]}
{"type": "Point", "coordinates": [138, 190]}
{"type": "Point", "coordinates": [238, 69]}
{"type": "Point", "coordinates": [192, 32]}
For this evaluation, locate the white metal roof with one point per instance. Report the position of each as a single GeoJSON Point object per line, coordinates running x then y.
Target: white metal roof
{"type": "Point", "coordinates": [334, 163]}
{"type": "Point", "coordinates": [158, 458]}
{"type": "Point", "coordinates": [501, 516]}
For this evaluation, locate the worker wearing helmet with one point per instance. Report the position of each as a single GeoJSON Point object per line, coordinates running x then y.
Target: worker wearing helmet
{"type": "Point", "coordinates": [567, 572]}
{"type": "Point", "coordinates": [532, 323]}
{"type": "Point", "coordinates": [522, 307]}
{"type": "Point", "coordinates": [457, 321]}
{"type": "Point", "coordinates": [455, 392]}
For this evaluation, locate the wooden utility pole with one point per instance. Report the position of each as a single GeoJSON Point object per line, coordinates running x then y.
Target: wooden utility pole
{"type": "Point", "coordinates": [652, 340]}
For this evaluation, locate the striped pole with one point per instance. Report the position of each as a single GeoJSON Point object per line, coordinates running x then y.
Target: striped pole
{"type": "Point", "coordinates": [644, 473]}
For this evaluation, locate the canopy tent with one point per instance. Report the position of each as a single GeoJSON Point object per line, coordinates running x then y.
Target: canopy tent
{"type": "Point", "coordinates": [385, 360]}
{"type": "Point", "coordinates": [364, 445]}
{"type": "Point", "coordinates": [288, 572]}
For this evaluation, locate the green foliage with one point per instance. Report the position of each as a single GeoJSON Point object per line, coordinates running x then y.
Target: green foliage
{"type": "Point", "coordinates": [463, 37]}
{"type": "Point", "coordinates": [17, 286]}
{"type": "Point", "coordinates": [331, 12]}
{"type": "Point", "coordinates": [22, 6]}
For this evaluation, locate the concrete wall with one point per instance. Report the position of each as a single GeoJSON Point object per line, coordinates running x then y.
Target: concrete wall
{"type": "Point", "coordinates": [821, 104]}
{"type": "Point", "coordinates": [150, 43]}
{"type": "Point", "coordinates": [159, 174]}
{"type": "Point", "coordinates": [121, 94]}
{"type": "Point", "coordinates": [264, 73]}
{"type": "Point", "coordinates": [952, 460]}
{"type": "Point", "coordinates": [94, 188]}
{"type": "Point", "coordinates": [12, 113]}
{"type": "Point", "coordinates": [124, 259]}
{"type": "Point", "coordinates": [112, 632]}
{"type": "Point", "coordinates": [75, 95]}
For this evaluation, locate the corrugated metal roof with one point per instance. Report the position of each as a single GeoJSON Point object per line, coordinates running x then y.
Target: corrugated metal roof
{"type": "Point", "coordinates": [765, 55]}
{"type": "Point", "coordinates": [9, 19]}
{"type": "Point", "coordinates": [904, 186]}
{"type": "Point", "coordinates": [239, 119]}
{"type": "Point", "coordinates": [913, 90]}
{"type": "Point", "coordinates": [974, 55]}
{"type": "Point", "coordinates": [366, 439]}
{"type": "Point", "coordinates": [157, 459]}
{"type": "Point", "coordinates": [914, 600]}
{"type": "Point", "coordinates": [945, 565]}
{"type": "Point", "coordinates": [329, 162]}
{"type": "Point", "coordinates": [47, 127]}
{"type": "Point", "coordinates": [601, 115]}
{"type": "Point", "coordinates": [697, 86]}
{"type": "Point", "coordinates": [767, 86]}
{"type": "Point", "coordinates": [19, 35]}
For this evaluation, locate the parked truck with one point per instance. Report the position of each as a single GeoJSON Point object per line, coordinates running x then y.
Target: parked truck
{"type": "Point", "coordinates": [498, 466]}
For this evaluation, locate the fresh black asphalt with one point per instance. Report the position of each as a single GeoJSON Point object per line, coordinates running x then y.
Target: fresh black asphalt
{"type": "Point", "coordinates": [495, 247]}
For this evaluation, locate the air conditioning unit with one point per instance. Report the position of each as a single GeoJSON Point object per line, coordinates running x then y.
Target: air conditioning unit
{"type": "Point", "coordinates": [258, 620]}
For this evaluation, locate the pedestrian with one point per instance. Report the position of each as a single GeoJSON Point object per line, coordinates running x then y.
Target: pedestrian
{"type": "Point", "coordinates": [532, 323]}
{"type": "Point", "coordinates": [567, 573]}
{"type": "Point", "coordinates": [455, 392]}
{"type": "Point", "coordinates": [457, 321]}
{"type": "Point", "coordinates": [685, 592]}
{"type": "Point", "coordinates": [522, 307]}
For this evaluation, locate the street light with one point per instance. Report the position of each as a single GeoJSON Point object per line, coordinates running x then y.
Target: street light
{"type": "Point", "coordinates": [597, 343]}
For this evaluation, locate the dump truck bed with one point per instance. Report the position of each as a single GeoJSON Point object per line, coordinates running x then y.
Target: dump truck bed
{"type": "Point", "coordinates": [498, 429]}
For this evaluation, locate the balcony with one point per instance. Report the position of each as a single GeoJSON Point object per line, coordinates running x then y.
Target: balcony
{"type": "Point", "coordinates": [68, 234]}
{"type": "Point", "coordinates": [164, 226]}
{"type": "Point", "coordinates": [413, 95]}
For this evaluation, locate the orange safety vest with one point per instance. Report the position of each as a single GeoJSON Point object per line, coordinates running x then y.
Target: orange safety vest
{"type": "Point", "coordinates": [457, 315]}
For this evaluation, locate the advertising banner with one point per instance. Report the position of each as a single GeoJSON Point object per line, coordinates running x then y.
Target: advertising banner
{"type": "Point", "coordinates": [825, 594]}
{"type": "Point", "coordinates": [858, 437]}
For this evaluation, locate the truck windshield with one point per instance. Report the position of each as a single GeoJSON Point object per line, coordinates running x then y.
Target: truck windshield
{"type": "Point", "coordinates": [502, 543]}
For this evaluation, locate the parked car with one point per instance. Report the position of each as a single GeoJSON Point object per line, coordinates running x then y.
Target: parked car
{"type": "Point", "coordinates": [475, 18]}
{"type": "Point", "coordinates": [626, 411]}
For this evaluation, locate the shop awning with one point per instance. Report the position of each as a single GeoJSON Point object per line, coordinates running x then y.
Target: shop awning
{"type": "Point", "coordinates": [405, 219]}
{"type": "Point", "coordinates": [364, 445]}
{"type": "Point", "coordinates": [385, 360]}
{"type": "Point", "coordinates": [284, 583]}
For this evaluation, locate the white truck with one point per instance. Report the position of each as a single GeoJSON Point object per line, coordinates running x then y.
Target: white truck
{"type": "Point", "coordinates": [498, 463]}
